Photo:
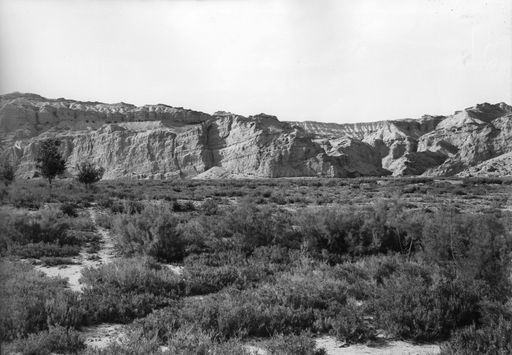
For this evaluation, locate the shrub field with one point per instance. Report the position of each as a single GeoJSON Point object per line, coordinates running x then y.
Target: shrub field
{"type": "Point", "coordinates": [226, 267]}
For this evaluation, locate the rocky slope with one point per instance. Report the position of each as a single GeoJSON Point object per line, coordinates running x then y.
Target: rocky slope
{"type": "Point", "coordinates": [160, 141]}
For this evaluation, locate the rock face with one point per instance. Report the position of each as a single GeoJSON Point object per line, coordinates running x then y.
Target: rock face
{"type": "Point", "coordinates": [160, 141]}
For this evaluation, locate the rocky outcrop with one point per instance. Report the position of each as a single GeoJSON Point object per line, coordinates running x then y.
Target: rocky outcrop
{"type": "Point", "coordinates": [161, 141]}
{"type": "Point", "coordinates": [433, 145]}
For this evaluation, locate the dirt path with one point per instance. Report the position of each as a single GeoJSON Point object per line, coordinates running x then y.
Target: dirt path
{"type": "Point", "coordinates": [100, 335]}
{"type": "Point", "coordinates": [333, 347]}
{"type": "Point", "coordinates": [85, 259]}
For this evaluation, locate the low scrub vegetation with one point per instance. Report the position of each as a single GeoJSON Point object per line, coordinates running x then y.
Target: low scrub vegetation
{"type": "Point", "coordinates": [47, 233]}
{"type": "Point", "coordinates": [269, 264]}
{"type": "Point", "coordinates": [31, 302]}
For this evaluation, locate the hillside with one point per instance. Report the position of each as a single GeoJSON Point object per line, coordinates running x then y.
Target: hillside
{"type": "Point", "coordinates": [161, 141]}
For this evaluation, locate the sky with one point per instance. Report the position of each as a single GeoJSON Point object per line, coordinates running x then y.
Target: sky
{"type": "Point", "coordinates": [322, 60]}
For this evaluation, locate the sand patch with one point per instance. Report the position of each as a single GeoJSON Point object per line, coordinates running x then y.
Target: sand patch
{"type": "Point", "coordinates": [333, 347]}
{"type": "Point", "coordinates": [85, 259]}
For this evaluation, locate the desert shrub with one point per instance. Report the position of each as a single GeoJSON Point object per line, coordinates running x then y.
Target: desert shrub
{"type": "Point", "coordinates": [275, 257]}
{"type": "Point", "coordinates": [124, 206]}
{"type": "Point", "coordinates": [46, 228]}
{"type": "Point", "coordinates": [294, 302]}
{"type": "Point", "coordinates": [105, 202]}
{"type": "Point", "coordinates": [278, 199]}
{"type": "Point", "coordinates": [104, 220]}
{"type": "Point", "coordinates": [7, 173]}
{"type": "Point", "coordinates": [210, 207]}
{"type": "Point", "coordinates": [54, 340]}
{"type": "Point", "coordinates": [351, 325]}
{"type": "Point", "coordinates": [210, 272]}
{"type": "Point", "coordinates": [202, 234]}
{"type": "Point", "coordinates": [302, 344]}
{"type": "Point", "coordinates": [152, 232]}
{"type": "Point", "coordinates": [26, 198]}
{"type": "Point", "coordinates": [183, 206]}
{"type": "Point", "coordinates": [41, 250]}
{"type": "Point", "coordinates": [54, 261]}
{"type": "Point", "coordinates": [136, 346]}
{"type": "Point", "coordinates": [477, 246]}
{"type": "Point", "coordinates": [360, 284]}
{"type": "Point", "coordinates": [201, 279]}
{"type": "Point", "coordinates": [493, 338]}
{"type": "Point", "coordinates": [254, 226]}
{"type": "Point", "coordinates": [204, 280]}
{"type": "Point", "coordinates": [45, 234]}
{"type": "Point", "coordinates": [422, 307]}
{"type": "Point", "coordinates": [333, 234]}
{"type": "Point", "coordinates": [238, 314]}
{"type": "Point", "coordinates": [69, 209]}
{"type": "Point", "coordinates": [88, 173]}
{"type": "Point", "coordinates": [198, 342]}
{"type": "Point", "coordinates": [144, 340]}
{"type": "Point", "coordinates": [127, 289]}
{"type": "Point", "coordinates": [161, 324]}
{"type": "Point", "coordinates": [30, 302]}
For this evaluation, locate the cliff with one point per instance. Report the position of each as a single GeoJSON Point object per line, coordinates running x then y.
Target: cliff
{"type": "Point", "coordinates": [161, 141]}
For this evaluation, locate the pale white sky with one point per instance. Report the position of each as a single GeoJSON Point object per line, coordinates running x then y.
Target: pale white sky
{"type": "Point", "coordinates": [324, 60]}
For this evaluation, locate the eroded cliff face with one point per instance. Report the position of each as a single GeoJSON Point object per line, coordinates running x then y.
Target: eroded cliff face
{"type": "Point", "coordinates": [160, 141]}
{"type": "Point", "coordinates": [434, 145]}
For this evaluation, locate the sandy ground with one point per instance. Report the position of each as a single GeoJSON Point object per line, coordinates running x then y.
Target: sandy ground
{"type": "Point", "coordinates": [100, 336]}
{"type": "Point", "coordinates": [333, 347]}
{"type": "Point", "coordinates": [85, 259]}
{"type": "Point", "coordinates": [175, 268]}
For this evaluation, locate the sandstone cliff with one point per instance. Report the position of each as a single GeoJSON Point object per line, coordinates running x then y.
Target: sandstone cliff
{"type": "Point", "coordinates": [161, 141]}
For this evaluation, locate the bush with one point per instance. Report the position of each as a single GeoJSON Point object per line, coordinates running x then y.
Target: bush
{"type": "Point", "coordinates": [45, 234]}
{"type": "Point", "coordinates": [104, 220]}
{"type": "Point", "coordinates": [333, 234]}
{"type": "Point", "coordinates": [295, 302]}
{"type": "Point", "coordinates": [494, 338]}
{"type": "Point", "coordinates": [69, 209]}
{"type": "Point", "coordinates": [124, 206]}
{"type": "Point", "coordinates": [302, 344]}
{"type": "Point", "coordinates": [183, 207]}
{"type": "Point", "coordinates": [7, 173]}
{"type": "Point", "coordinates": [197, 342]}
{"type": "Point", "coordinates": [477, 246]}
{"type": "Point", "coordinates": [54, 261]}
{"type": "Point", "coordinates": [44, 250]}
{"type": "Point", "coordinates": [210, 207]}
{"type": "Point", "coordinates": [55, 340]}
{"type": "Point", "coordinates": [30, 302]}
{"type": "Point", "coordinates": [351, 326]}
{"type": "Point", "coordinates": [88, 173]}
{"type": "Point", "coordinates": [426, 306]}
{"type": "Point", "coordinates": [152, 232]}
{"type": "Point", "coordinates": [127, 289]}
{"type": "Point", "coordinates": [253, 227]}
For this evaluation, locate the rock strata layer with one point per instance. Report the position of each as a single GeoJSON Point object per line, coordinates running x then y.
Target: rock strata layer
{"type": "Point", "coordinates": [161, 142]}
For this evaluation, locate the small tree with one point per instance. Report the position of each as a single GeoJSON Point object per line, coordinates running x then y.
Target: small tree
{"type": "Point", "coordinates": [49, 161]}
{"type": "Point", "coordinates": [88, 173]}
{"type": "Point", "coordinates": [7, 173]}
